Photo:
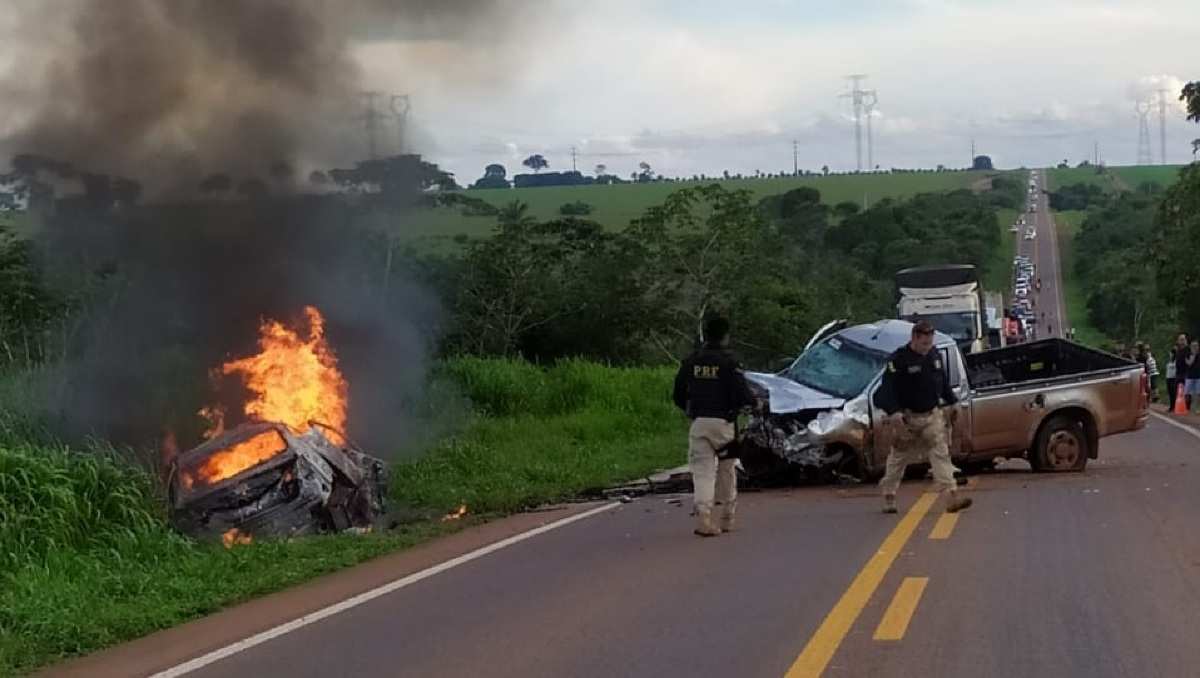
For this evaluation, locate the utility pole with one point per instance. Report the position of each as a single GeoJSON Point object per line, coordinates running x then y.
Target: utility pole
{"type": "Point", "coordinates": [859, 101]}
{"type": "Point", "coordinates": [1145, 155]}
{"type": "Point", "coordinates": [1162, 124]}
{"type": "Point", "coordinates": [795, 157]}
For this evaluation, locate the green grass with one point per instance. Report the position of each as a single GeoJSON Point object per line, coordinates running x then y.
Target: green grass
{"type": "Point", "coordinates": [1165, 175]}
{"type": "Point", "coordinates": [547, 434]}
{"type": "Point", "coordinates": [1074, 296]}
{"type": "Point", "coordinates": [1057, 178]}
{"type": "Point", "coordinates": [1000, 271]}
{"type": "Point", "coordinates": [616, 205]}
{"type": "Point", "coordinates": [1125, 178]}
{"type": "Point", "coordinates": [87, 559]}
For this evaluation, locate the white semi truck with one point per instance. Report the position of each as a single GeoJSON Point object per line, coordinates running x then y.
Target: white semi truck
{"type": "Point", "coordinates": [948, 297]}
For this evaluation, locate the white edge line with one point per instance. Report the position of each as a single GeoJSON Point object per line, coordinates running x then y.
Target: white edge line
{"type": "Point", "coordinates": [300, 622]}
{"type": "Point", "coordinates": [1176, 424]}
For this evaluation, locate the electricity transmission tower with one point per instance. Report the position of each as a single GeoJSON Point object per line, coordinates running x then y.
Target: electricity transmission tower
{"type": "Point", "coordinates": [1145, 155]}
{"type": "Point", "coordinates": [374, 118]}
{"type": "Point", "coordinates": [1162, 124]}
{"type": "Point", "coordinates": [862, 101]}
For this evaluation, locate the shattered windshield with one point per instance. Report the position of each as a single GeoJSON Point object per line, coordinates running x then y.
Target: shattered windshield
{"type": "Point", "coordinates": [837, 367]}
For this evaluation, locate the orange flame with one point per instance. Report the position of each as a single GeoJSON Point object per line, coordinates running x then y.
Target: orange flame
{"type": "Point", "coordinates": [295, 381]}
{"type": "Point", "coordinates": [455, 514]}
{"type": "Point", "coordinates": [234, 536]}
{"type": "Point", "coordinates": [244, 455]}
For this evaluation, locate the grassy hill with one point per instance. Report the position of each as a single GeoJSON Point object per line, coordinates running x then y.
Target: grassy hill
{"type": "Point", "coordinates": [1115, 179]}
{"type": "Point", "coordinates": [615, 206]}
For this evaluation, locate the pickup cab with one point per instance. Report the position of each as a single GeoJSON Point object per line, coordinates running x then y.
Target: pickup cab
{"type": "Point", "coordinates": [1048, 401]}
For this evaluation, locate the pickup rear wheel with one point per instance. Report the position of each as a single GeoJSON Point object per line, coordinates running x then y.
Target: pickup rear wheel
{"type": "Point", "coordinates": [1061, 446]}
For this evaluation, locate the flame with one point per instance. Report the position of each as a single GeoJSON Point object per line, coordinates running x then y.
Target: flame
{"type": "Point", "coordinates": [234, 536]}
{"type": "Point", "coordinates": [455, 514]}
{"type": "Point", "coordinates": [244, 455]}
{"type": "Point", "coordinates": [295, 380]}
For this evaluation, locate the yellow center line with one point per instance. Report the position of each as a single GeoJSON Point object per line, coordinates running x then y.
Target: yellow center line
{"type": "Point", "coordinates": [900, 612]}
{"type": "Point", "coordinates": [944, 526]}
{"type": "Point", "coordinates": [824, 643]}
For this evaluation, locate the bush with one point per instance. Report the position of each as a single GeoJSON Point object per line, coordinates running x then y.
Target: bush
{"type": "Point", "coordinates": [575, 209]}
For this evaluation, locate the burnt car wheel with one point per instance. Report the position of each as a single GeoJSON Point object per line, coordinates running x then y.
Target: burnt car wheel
{"type": "Point", "coordinates": [1061, 446]}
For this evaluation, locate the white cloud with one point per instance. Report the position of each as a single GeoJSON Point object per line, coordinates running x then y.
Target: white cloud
{"type": "Point", "coordinates": [699, 91]}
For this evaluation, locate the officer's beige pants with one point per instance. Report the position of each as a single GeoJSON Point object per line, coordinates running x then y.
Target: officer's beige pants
{"type": "Point", "coordinates": [921, 438]}
{"type": "Point", "coordinates": [712, 479]}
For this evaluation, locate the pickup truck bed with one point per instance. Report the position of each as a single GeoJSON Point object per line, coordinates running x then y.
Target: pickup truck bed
{"type": "Point", "coordinates": [1047, 360]}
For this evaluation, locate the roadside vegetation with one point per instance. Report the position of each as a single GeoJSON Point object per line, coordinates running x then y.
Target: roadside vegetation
{"type": "Point", "coordinates": [1122, 273]}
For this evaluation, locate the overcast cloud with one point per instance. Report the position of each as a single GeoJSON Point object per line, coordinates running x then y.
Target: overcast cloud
{"type": "Point", "coordinates": [700, 87]}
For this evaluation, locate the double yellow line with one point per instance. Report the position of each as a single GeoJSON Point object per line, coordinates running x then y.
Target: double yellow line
{"type": "Point", "coordinates": [824, 643]}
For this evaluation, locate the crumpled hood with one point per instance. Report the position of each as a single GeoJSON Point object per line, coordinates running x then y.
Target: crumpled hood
{"type": "Point", "coordinates": [787, 396]}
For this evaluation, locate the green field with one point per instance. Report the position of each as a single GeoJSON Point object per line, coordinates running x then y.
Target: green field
{"type": "Point", "coordinates": [616, 205]}
{"type": "Point", "coordinates": [1115, 179]}
{"type": "Point", "coordinates": [1057, 178]}
{"type": "Point", "coordinates": [1074, 297]}
{"type": "Point", "coordinates": [1159, 174]}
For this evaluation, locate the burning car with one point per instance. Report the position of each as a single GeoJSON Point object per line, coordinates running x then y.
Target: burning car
{"type": "Point", "coordinates": [289, 469]}
{"type": "Point", "coordinates": [264, 479]}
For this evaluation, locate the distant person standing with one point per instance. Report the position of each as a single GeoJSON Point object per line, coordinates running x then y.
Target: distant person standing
{"type": "Point", "coordinates": [1171, 381]}
{"type": "Point", "coordinates": [917, 386]}
{"type": "Point", "coordinates": [711, 388]}
{"type": "Point", "coordinates": [1179, 367]}
{"type": "Point", "coordinates": [1191, 387]}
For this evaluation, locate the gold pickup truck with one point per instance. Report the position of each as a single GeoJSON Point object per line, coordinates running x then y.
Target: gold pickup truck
{"type": "Point", "coordinates": [1048, 401]}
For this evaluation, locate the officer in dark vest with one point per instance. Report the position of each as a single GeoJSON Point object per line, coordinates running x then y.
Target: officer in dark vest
{"type": "Point", "coordinates": [916, 387]}
{"type": "Point", "coordinates": [711, 389]}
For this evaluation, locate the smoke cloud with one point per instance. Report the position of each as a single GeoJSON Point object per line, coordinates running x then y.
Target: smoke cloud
{"type": "Point", "coordinates": [167, 92]}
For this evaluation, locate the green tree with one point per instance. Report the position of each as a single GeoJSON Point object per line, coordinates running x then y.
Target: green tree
{"type": "Point", "coordinates": [536, 162]}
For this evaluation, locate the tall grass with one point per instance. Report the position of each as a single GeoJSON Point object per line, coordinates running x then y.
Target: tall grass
{"type": "Point", "coordinates": [544, 434]}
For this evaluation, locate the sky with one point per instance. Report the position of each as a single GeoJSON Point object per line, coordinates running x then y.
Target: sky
{"type": "Point", "coordinates": [702, 86]}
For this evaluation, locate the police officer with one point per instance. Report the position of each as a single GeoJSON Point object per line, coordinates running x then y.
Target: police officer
{"type": "Point", "coordinates": [916, 385]}
{"type": "Point", "coordinates": [711, 389]}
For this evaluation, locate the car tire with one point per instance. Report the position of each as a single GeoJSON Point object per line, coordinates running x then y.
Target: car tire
{"type": "Point", "coordinates": [1061, 446]}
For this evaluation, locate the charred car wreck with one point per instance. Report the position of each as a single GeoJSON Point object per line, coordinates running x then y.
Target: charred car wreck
{"type": "Point", "coordinates": [1049, 402]}
{"type": "Point", "coordinates": [264, 479]}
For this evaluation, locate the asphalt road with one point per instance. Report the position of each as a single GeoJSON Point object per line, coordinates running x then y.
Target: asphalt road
{"type": "Point", "coordinates": [1094, 574]}
{"type": "Point", "coordinates": [1043, 251]}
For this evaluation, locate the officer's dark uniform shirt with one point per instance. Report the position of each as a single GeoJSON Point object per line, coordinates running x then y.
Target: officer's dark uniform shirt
{"type": "Point", "coordinates": [917, 382]}
{"type": "Point", "coordinates": [710, 384]}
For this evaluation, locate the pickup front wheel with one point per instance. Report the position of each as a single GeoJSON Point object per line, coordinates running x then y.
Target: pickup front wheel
{"type": "Point", "coordinates": [1061, 446]}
